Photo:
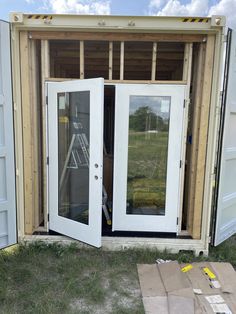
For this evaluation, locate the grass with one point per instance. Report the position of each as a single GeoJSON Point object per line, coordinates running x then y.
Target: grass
{"type": "Point", "coordinates": [41, 278]}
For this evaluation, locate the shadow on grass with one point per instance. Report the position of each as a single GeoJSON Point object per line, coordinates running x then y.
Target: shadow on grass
{"type": "Point", "coordinates": [50, 278]}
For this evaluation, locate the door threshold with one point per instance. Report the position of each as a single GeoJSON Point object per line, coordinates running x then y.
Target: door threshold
{"type": "Point", "coordinates": [174, 245]}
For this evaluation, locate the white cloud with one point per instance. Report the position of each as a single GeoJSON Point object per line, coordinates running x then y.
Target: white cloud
{"type": "Point", "coordinates": [156, 4]}
{"type": "Point", "coordinates": [78, 6]}
{"type": "Point", "coordinates": [175, 7]}
{"type": "Point", "coordinates": [227, 8]}
{"type": "Point", "coordinates": [194, 8]}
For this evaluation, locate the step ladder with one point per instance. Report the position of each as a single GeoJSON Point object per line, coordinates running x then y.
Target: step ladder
{"type": "Point", "coordinates": [76, 158]}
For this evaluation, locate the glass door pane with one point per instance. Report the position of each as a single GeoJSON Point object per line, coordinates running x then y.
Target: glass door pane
{"type": "Point", "coordinates": [73, 155]}
{"type": "Point", "coordinates": [149, 118]}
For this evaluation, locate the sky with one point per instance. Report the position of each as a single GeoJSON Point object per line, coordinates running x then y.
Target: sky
{"type": "Point", "coordinates": [124, 7]}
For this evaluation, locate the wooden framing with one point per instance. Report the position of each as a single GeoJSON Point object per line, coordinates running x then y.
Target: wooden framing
{"type": "Point", "coordinates": [187, 76]}
{"type": "Point", "coordinates": [117, 36]}
{"type": "Point", "coordinates": [122, 56]}
{"type": "Point", "coordinates": [192, 152]}
{"type": "Point", "coordinates": [27, 95]}
{"type": "Point", "coordinates": [81, 56]}
{"type": "Point", "coordinates": [200, 132]}
{"type": "Point", "coordinates": [58, 79]}
{"type": "Point", "coordinates": [201, 101]}
{"type": "Point", "coordinates": [154, 61]}
{"type": "Point", "coordinates": [45, 73]}
{"type": "Point", "coordinates": [36, 131]}
{"type": "Point", "coordinates": [110, 59]}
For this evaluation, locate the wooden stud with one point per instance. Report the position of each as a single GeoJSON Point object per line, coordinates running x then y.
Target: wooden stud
{"type": "Point", "coordinates": [187, 76]}
{"type": "Point", "coordinates": [45, 73]}
{"type": "Point", "coordinates": [154, 61]}
{"type": "Point", "coordinates": [122, 52]}
{"type": "Point", "coordinates": [202, 138]}
{"type": "Point", "coordinates": [36, 132]}
{"type": "Point", "coordinates": [198, 73]}
{"type": "Point", "coordinates": [110, 59]}
{"type": "Point", "coordinates": [186, 64]}
{"type": "Point", "coordinates": [119, 36]}
{"type": "Point", "coordinates": [27, 133]}
{"type": "Point", "coordinates": [81, 54]}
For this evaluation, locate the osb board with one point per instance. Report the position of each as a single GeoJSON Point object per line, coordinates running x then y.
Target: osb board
{"type": "Point", "coordinates": [160, 296]}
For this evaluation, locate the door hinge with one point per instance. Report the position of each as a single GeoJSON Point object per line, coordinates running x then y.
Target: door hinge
{"type": "Point", "coordinates": [186, 102]}
{"type": "Point", "coordinates": [46, 100]}
{"type": "Point", "coordinates": [177, 221]}
{"type": "Point", "coordinates": [47, 160]}
{"type": "Point", "coordinates": [48, 217]}
{"type": "Point", "coordinates": [180, 163]}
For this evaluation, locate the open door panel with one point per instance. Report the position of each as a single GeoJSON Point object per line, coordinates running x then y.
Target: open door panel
{"type": "Point", "coordinates": [7, 167]}
{"type": "Point", "coordinates": [225, 225]}
{"type": "Point", "coordinates": [75, 148]}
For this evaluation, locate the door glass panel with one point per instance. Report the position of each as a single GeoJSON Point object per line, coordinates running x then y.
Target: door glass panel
{"type": "Point", "coordinates": [73, 155]}
{"type": "Point", "coordinates": [149, 118]}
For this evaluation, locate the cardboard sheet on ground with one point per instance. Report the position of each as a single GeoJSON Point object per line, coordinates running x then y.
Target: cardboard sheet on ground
{"type": "Point", "coordinates": [172, 276]}
{"type": "Point", "coordinates": [178, 304]}
{"type": "Point", "coordinates": [166, 289]}
{"type": "Point", "coordinates": [150, 281]}
{"type": "Point", "coordinates": [199, 280]}
{"type": "Point", "coordinates": [155, 305]}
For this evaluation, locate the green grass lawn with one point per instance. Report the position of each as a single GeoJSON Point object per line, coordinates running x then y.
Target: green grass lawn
{"type": "Point", "coordinates": [41, 278]}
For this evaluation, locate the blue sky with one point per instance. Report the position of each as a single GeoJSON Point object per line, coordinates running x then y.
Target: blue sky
{"type": "Point", "coordinates": [124, 7]}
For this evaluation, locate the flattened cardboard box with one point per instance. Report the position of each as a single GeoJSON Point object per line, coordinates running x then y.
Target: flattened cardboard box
{"type": "Point", "coordinates": [167, 289]}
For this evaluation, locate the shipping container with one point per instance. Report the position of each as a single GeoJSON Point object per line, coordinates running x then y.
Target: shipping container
{"type": "Point", "coordinates": [117, 131]}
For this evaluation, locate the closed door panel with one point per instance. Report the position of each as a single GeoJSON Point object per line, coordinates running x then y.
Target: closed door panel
{"type": "Point", "coordinates": [148, 135]}
{"type": "Point", "coordinates": [7, 166]}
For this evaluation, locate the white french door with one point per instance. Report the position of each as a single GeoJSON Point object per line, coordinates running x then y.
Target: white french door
{"type": "Point", "coordinates": [147, 154]}
{"type": "Point", "coordinates": [75, 149]}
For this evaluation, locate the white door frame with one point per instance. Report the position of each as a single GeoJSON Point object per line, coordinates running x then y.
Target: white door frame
{"type": "Point", "coordinates": [90, 233]}
{"type": "Point", "coordinates": [153, 223]}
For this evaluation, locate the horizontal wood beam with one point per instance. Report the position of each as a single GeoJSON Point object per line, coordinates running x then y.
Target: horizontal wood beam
{"type": "Point", "coordinates": [111, 36]}
{"type": "Point", "coordinates": [60, 79]}
{"type": "Point", "coordinates": [128, 55]}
